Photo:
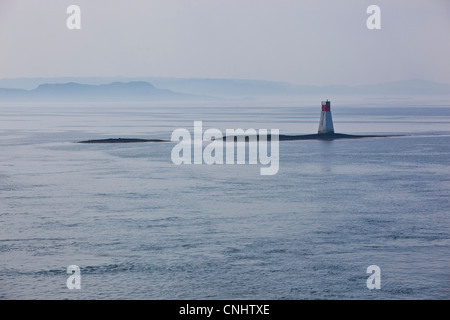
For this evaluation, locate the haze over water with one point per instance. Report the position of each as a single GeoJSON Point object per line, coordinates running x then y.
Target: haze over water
{"type": "Point", "coordinates": [140, 227]}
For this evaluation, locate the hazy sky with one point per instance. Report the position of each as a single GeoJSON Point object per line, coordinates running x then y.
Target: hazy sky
{"type": "Point", "coordinates": [304, 42]}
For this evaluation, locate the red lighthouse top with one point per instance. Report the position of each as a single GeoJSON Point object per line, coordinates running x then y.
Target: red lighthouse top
{"type": "Point", "coordinates": [326, 105]}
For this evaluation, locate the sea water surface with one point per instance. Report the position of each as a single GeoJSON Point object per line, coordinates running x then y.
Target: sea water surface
{"type": "Point", "coordinates": [140, 227]}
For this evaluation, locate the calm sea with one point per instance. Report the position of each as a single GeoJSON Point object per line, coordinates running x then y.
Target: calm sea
{"type": "Point", "coordinates": [140, 227]}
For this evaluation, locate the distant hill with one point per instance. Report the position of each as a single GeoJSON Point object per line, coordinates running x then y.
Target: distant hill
{"type": "Point", "coordinates": [257, 88]}
{"type": "Point", "coordinates": [116, 91]}
{"type": "Point", "coordinates": [143, 88]}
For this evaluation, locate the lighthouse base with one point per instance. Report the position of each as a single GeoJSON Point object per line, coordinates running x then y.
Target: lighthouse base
{"type": "Point", "coordinates": [326, 123]}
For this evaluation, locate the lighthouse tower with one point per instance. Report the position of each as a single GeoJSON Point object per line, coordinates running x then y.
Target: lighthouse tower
{"type": "Point", "coordinates": [326, 122]}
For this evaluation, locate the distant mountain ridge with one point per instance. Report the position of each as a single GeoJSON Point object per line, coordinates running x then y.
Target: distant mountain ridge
{"type": "Point", "coordinates": [115, 91]}
{"type": "Point", "coordinates": [150, 88]}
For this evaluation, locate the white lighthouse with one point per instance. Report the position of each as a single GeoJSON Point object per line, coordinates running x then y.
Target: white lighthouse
{"type": "Point", "coordinates": [326, 122]}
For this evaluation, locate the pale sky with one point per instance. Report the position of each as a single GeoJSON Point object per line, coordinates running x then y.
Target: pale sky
{"type": "Point", "coordinates": [304, 42]}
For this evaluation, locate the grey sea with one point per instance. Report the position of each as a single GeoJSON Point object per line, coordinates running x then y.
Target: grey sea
{"type": "Point", "coordinates": [140, 227]}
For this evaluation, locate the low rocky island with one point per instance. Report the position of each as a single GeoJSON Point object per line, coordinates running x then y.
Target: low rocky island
{"type": "Point", "coordinates": [317, 136]}
{"type": "Point", "coordinates": [122, 140]}
{"type": "Point", "coordinates": [330, 136]}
